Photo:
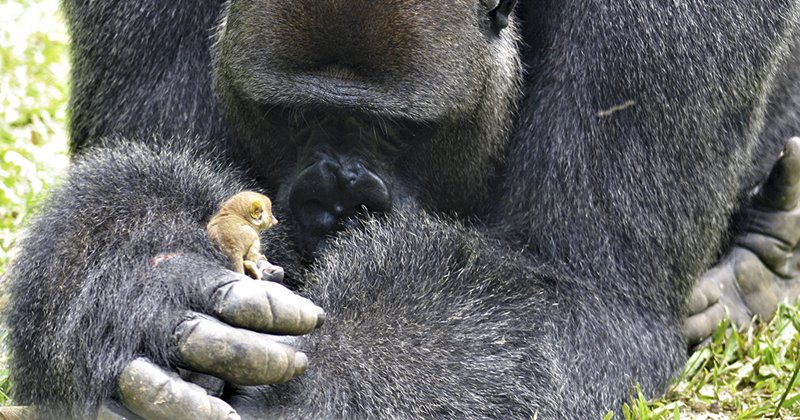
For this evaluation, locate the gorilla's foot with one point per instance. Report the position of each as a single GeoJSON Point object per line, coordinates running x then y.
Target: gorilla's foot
{"type": "Point", "coordinates": [763, 268]}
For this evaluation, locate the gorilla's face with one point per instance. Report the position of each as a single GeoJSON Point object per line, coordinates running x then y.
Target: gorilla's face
{"type": "Point", "coordinates": [347, 106]}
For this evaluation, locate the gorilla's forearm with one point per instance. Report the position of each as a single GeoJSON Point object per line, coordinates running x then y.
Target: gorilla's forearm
{"type": "Point", "coordinates": [427, 318]}
{"type": "Point", "coordinates": [88, 291]}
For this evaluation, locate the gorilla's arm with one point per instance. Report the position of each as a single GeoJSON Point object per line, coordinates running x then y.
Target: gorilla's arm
{"type": "Point", "coordinates": [141, 70]}
{"type": "Point", "coordinates": [118, 266]}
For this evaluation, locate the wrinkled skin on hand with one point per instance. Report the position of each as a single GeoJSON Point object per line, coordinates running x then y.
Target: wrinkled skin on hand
{"type": "Point", "coordinates": [763, 268]}
{"type": "Point", "coordinates": [233, 346]}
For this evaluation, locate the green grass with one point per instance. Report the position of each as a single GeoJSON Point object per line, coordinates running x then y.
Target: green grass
{"type": "Point", "coordinates": [744, 375]}
{"type": "Point", "coordinates": [738, 376]}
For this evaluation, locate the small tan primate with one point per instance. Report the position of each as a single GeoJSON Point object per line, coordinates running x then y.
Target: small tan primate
{"type": "Point", "coordinates": [235, 229]}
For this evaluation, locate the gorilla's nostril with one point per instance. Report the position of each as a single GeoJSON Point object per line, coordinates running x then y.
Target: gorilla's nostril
{"type": "Point", "coordinates": [373, 193]}
{"type": "Point", "coordinates": [329, 166]}
{"type": "Point", "coordinates": [349, 176]}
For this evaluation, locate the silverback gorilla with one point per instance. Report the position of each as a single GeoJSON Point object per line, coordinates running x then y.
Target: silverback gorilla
{"type": "Point", "coordinates": [502, 208]}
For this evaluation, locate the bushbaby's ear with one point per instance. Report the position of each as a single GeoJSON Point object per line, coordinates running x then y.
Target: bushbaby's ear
{"type": "Point", "coordinates": [256, 211]}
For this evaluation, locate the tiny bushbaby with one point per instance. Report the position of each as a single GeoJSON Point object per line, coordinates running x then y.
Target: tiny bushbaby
{"type": "Point", "coordinates": [235, 228]}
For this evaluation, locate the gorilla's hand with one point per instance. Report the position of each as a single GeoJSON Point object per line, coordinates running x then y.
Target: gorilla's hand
{"type": "Point", "coordinates": [242, 356]}
{"type": "Point", "coordinates": [763, 268]}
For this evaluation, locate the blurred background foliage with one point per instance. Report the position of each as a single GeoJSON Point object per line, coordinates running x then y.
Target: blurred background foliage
{"type": "Point", "coordinates": [34, 69]}
{"type": "Point", "coordinates": [752, 374]}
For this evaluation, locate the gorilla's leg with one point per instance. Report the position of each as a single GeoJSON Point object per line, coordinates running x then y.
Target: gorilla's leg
{"type": "Point", "coordinates": [763, 268]}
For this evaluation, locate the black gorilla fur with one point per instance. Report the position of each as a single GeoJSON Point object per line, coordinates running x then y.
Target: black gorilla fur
{"type": "Point", "coordinates": [558, 285]}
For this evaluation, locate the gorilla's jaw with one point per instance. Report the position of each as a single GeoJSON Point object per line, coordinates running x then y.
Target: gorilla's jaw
{"type": "Point", "coordinates": [350, 106]}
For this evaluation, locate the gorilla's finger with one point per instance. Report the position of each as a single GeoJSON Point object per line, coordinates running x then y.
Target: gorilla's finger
{"type": "Point", "coordinates": [269, 271]}
{"type": "Point", "coordinates": [267, 307]}
{"type": "Point", "coordinates": [214, 386]}
{"type": "Point", "coordinates": [770, 243]}
{"type": "Point", "coordinates": [239, 356]}
{"type": "Point", "coordinates": [752, 276]}
{"type": "Point", "coordinates": [708, 290]}
{"type": "Point", "coordinates": [782, 189]}
{"type": "Point", "coordinates": [699, 327]}
{"type": "Point", "coordinates": [756, 286]}
{"type": "Point", "coordinates": [114, 410]}
{"type": "Point", "coordinates": [752, 290]}
{"type": "Point", "coordinates": [154, 393]}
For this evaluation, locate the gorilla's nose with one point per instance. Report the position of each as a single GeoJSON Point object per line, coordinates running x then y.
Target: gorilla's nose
{"type": "Point", "coordinates": [330, 193]}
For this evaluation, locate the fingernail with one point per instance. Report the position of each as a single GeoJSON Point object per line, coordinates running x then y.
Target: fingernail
{"type": "Point", "coordinates": [300, 363]}
{"type": "Point", "coordinates": [791, 146]}
{"type": "Point", "coordinates": [233, 416]}
{"type": "Point", "coordinates": [321, 317]}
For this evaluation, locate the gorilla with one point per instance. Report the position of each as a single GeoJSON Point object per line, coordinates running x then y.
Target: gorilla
{"type": "Point", "coordinates": [505, 210]}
